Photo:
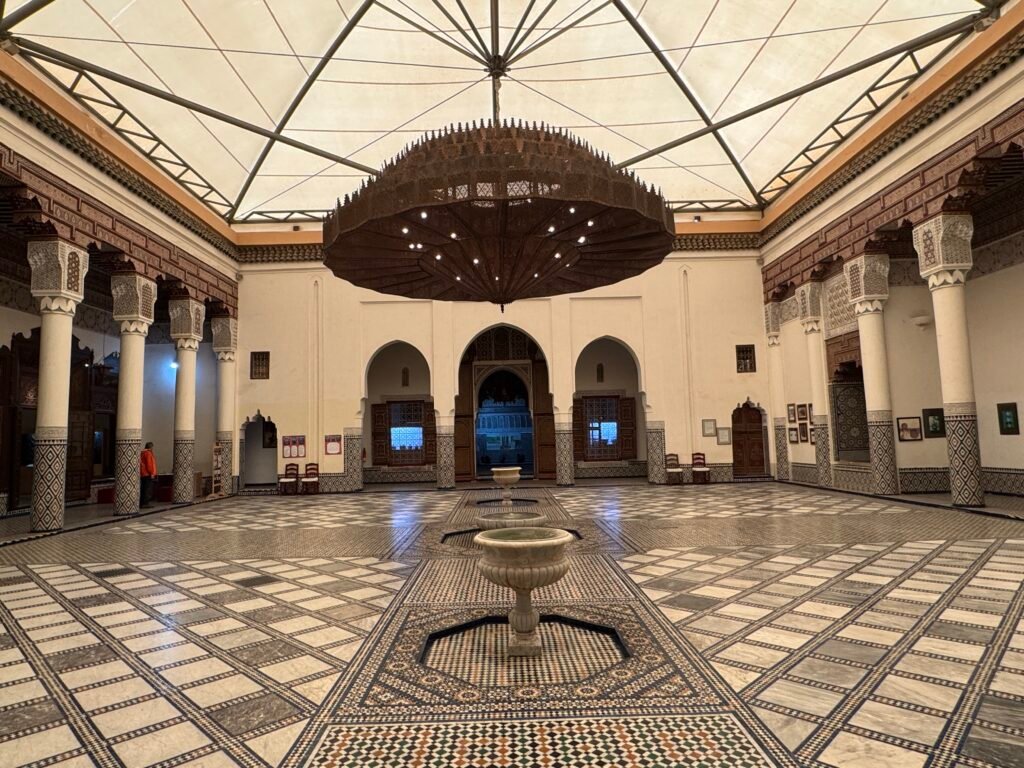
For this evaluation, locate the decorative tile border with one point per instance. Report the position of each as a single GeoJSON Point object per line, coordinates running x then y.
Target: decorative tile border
{"type": "Point", "coordinates": [610, 469]}
{"type": "Point", "coordinates": [804, 473]}
{"type": "Point", "coordinates": [852, 477]}
{"type": "Point", "coordinates": [924, 480]}
{"type": "Point", "coordinates": [384, 475]}
{"type": "Point", "coordinates": [1003, 480]}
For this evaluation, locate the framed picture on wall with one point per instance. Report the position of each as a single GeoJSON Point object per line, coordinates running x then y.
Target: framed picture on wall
{"type": "Point", "coordinates": [804, 432]}
{"type": "Point", "coordinates": [332, 445]}
{"type": "Point", "coordinates": [725, 436]}
{"type": "Point", "coordinates": [908, 429]}
{"type": "Point", "coordinates": [814, 433]}
{"type": "Point", "coordinates": [1009, 423]}
{"type": "Point", "coordinates": [934, 420]}
{"type": "Point", "coordinates": [794, 435]}
{"type": "Point", "coordinates": [300, 445]}
{"type": "Point", "coordinates": [791, 413]}
{"type": "Point", "coordinates": [801, 411]}
{"type": "Point", "coordinates": [708, 427]}
{"type": "Point", "coordinates": [810, 411]}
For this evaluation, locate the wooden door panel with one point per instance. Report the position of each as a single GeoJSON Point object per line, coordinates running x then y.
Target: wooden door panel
{"type": "Point", "coordinates": [79, 463]}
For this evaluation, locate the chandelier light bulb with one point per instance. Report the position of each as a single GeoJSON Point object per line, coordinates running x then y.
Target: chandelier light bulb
{"type": "Point", "coordinates": [551, 229]}
{"type": "Point", "coordinates": [423, 214]}
{"type": "Point", "coordinates": [438, 257]}
{"type": "Point", "coordinates": [412, 247]}
{"type": "Point", "coordinates": [536, 275]}
{"type": "Point", "coordinates": [572, 210]}
{"type": "Point", "coordinates": [558, 255]}
{"type": "Point", "coordinates": [581, 240]}
{"type": "Point", "coordinates": [476, 261]}
{"type": "Point", "coordinates": [405, 230]}
{"type": "Point", "coordinates": [458, 277]}
{"type": "Point", "coordinates": [454, 236]}
{"type": "Point", "coordinates": [590, 223]}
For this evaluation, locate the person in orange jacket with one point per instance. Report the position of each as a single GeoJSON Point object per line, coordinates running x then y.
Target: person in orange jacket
{"type": "Point", "coordinates": [147, 472]}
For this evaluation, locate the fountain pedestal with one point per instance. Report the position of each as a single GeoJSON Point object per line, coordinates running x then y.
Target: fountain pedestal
{"type": "Point", "coordinates": [523, 559]}
{"type": "Point", "coordinates": [506, 477]}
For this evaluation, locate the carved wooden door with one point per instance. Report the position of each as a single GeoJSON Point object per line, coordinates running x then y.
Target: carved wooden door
{"type": "Point", "coordinates": [748, 452]}
{"type": "Point", "coordinates": [543, 424]}
{"type": "Point", "coordinates": [79, 472]}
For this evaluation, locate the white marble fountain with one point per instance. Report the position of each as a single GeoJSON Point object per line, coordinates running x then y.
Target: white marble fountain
{"type": "Point", "coordinates": [508, 516]}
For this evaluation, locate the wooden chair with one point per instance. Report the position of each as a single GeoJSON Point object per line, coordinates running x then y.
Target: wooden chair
{"type": "Point", "coordinates": [288, 483]}
{"type": "Point", "coordinates": [701, 471]}
{"type": "Point", "coordinates": [310, 482]}
{"type": "Point", "coordinates": [673, 472]}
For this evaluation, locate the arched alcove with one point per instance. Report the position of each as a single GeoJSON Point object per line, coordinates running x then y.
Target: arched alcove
{"type": "Point", "coordinates": [607, 411]}
{"type": "Point", "coordinates": [259, 460]}
{"type": "Point", "coordinates": [398, 422]}
{"type": "Point", "coordinates": [504, 423]}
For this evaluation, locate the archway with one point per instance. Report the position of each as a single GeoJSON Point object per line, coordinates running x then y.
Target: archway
{"type": "Point", "coordinates": [749, 441]}
{"type": "Point", "coordinates": [607, 420]}
{"type": "Point", "coordinates": [258, 459]}
{"type": "Point", "coordinates": [504, 424]}
{"type": "Point", "coordinates": [506, 366]}
{"type": "Point", "coordinates": [399, 426]}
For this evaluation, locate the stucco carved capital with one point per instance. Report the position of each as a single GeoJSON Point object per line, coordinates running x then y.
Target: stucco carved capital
{"type": "Point", "coordinates": [772, 317]}
{"type": "Point", "coordinates": [868, 306]}
{"type": "Point", "coordinates": [225, 356]}
{"type": "Point", "coordinates": [134, 328]}
{"type": "Point", "coordinates": [134, 298]}
{"type": "Point", "coordinates": [58, 269]}
{"type": "Point", "coordinates": [943, 243]}
{"type": "Point", "coordinates": [57, 305]}
{"type": "Point", "coordinates": [774, 340]}
{"type": "Point", "coordinates": [808, 297]}
{"type": "Point", "coordinates": [868, 277]}
{"type": "Point", "coordinates": [944, 278]}
{"type": "Point", "coordinates": [225, 334]}
{"type": "Point", "coordinates": [187, 344]}
{"type": "Point", "coordinates": [187, 316]}
{"type": "Point", "coordinates": [811, 325]}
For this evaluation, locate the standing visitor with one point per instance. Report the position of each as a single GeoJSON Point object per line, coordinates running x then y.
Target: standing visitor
{"type": "Point", "coordinates": [147, 470]}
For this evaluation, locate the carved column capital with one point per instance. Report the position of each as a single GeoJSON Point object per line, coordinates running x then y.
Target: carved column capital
{"type": "Point", "coordinates": [943, 244]}
{"type": "Point", "coordinates": [868, 278]}
{"type": "Point", "coordinates": [772, 318]}
{"type": "Point", "coordinates": [868, 306]}
{"type": "Point", "coordinates": [58, 274]}
{"type": "Point", "coordinates": [774, 340]}
{"type": "Point", "coordinates": [811, 325]}
{"type": "Point", "coordinates": [134, 298]}
{"type": "Point", "coordinates": [187, 316]}
{"type": "Point", "coordinates": [227, 356]}
{"type": "Point", "coordinates": [809, 302]}
{"type": "Point", "coordinates": [225, 335]}
{"type": "Point", "coordinates": [947, 277]}
{"type": "Point", "coordinates": [187, 344]}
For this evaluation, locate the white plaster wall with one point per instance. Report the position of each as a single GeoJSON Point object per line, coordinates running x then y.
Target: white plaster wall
{"type": "Point", "coordinates": [995, 317]}
{"type": "Point", "coordinates": [913, 371]}
{"type": "Point", "coordinates": [158, 406]}
{"type": "Point", "coordinates": [322, 332]}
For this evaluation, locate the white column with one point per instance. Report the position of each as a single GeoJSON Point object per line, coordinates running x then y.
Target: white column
{"type": "Point", "coordinates": [809, 297]}
{"type": "Point", "coordinates": [943, 245]}
{"type": "Point", "coordinates": [868, 279]}
{"type": "Point", "coordinates": [58, 279]}
{"type": "Point", "coordinates": [134, 297]}
{"type": "Point", "coordinates": [773, 330]}
{"type": "Point", "coordinates": [187, 317]}
{"type": "Point", "coordinates": [225, 344]}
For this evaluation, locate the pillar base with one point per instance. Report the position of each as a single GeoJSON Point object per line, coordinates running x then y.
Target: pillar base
{"type": "Point", "coordinates": [51, 461]}
{"type": "Point", "coordinates": [226, 444]}
{"type": "Point", "coordinates": [964, 454]}
{"type": "Point", "coordinates": [445, 458]}
{"type": "Point", "coordinates": [781, 450]}
{"type": "Point", "coordinates": [885, 475]}
{"type": "Point", "coordinates": [184, 482]}
{"type": "Point", "coordinates": [656, 453]}
{"type": "Point", "coordinates": [822, 451]}
{"type": "Point", "coordinates": [353, 477]}
{"type": "Point", "coordinates": [126, 472]}
{"type": "Point", "coordinates": [565, 462]}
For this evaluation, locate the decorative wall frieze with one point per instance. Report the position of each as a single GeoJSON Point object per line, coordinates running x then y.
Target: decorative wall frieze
{"type": "Point", "coordinates": [718, 241]}
{"type": "Point", "coordinates": [275, 254]}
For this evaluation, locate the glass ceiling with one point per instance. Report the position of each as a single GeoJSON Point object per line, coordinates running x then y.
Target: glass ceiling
{"type": "Point", "coordinates": [267, 97]}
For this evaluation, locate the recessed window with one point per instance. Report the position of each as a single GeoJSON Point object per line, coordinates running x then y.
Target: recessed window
{"type": "Point", "coordinates": [405, 426]}
{"type": "Point", "coordinates": [745, 359]}
{"type": "Point", "coordinates": [405, 377]}
{"type": "Point", "coordinates": [259, 365]}
{"type": "Point", "coordinates": [602, 420]}
{"type": "Point", "coordinates": [600, 373]}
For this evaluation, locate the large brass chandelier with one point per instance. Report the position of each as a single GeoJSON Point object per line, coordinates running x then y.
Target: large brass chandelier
{"type": "Point", "coordinates": [497, 212]}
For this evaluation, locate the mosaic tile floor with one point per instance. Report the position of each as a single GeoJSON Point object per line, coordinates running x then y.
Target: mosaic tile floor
{"type": "Point", "coordinates": [806, 629]}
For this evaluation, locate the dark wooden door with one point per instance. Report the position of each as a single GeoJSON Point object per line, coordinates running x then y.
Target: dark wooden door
{"type": "Point", "coordinates": [79, 471]}
{"type": "Point", "coordinates": [543, 423]}
{"type": "Point", "coordinates": [748, 438]}
{"type": "Point", "coordinates": [380, 441]}
{"type": "Point", "coordinates": [465, 459]}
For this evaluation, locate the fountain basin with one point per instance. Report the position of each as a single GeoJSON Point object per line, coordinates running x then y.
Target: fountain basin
{"type": "Point", "coordinates": [523, 559]}
{"type": "Point", "coordinates": [506, 477]}
{"type": "Point", "coordinates": [510, 518]}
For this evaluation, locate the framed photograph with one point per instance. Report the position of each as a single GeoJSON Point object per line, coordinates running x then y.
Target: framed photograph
{"type": "Point", "coordinates": [801, 412]}
{"type": "Point", "coordinates": [814, 432]}
{"type": "Point", "coordinates": [708, 427]}
{"type": "Point", "coordinates": [286, 447]}
{"type": "Point", "coordinates": [810, 411]}
{"type": "Point", "coordinates": [725, 436]}
{"type": "Point", "coordinates": [1009, 423]}
{"type": "Point", "coordinates": [934, 421]}
{"type": "Point", "coordinates": [300, 446]}
{"type": "Point", "coordinates": [908, 429]}
{"type": "Point", "coordinates": [791, 413]}
{"type": "Point", "coordinates": [804, 432]}
{"type": "Point", "coordinates": [332, 445]}
{"type": "Point", "coordinates": [794, 435]}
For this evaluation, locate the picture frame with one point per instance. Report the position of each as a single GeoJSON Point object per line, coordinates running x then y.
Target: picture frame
{"type": "Point", "coordinates": [801, 412]}
{"type": "Point", "coordinates": [725, 435]}
{"type": "Point", "coordinates": [1009, 421]}
{"type": "Point", "coordinates": [791, 413]}
{"type": "Point", "coordinates": [708, 427]}
{"type": "Point", "coordinates": [934, 421]}
{"type": "Point", "coordinates": [814, 434]}
{"type": "Point", "coordinates": [804, 432]}
{"type": "Point", "coordinates": [332, 445]}
{"type": "Point", "coordinates": [908, 429]}
{"type": "Point", "coordinates": [810, 411]}
{"type": "Point", "coordinates": [794, 435]}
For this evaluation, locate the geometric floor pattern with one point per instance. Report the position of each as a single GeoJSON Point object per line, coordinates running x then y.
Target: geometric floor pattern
{"type": "Point", "coordinates": [317, 631]}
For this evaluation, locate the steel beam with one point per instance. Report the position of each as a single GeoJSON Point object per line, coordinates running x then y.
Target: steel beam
{"type": "Point", "coordinates": [465, 52]}
{"type": "Point", "coordinates": [529, 31]}
{"type": "Point", "coordinates": [451, 19]}
{"type": "Point", "coordinates": [45, 52]}
{"type": "Point", "coordinates": [949, 30]}
{"type": "Point", "coordinates": [519, 26]}
{"type": "Point", "coordinates": [18, 16]}
{"type": "Point", "coordinates": [561, 31]}
{"type": "Point", "coordinates": [311, 79]}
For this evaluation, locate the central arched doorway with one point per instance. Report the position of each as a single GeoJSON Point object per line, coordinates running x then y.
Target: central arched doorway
{"type": "Point", "coordinates": [504, 424]}
{"type": "Point", "coordinates": [504, 406]}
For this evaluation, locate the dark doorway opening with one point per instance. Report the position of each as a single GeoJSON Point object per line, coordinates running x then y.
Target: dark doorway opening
{"type": "Point", "coordinates": [504, 424]}
{"type": "Point", "coordinates": [749, 441]}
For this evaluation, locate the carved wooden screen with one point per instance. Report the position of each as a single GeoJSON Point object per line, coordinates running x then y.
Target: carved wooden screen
{"type": "Point", "coordinates": [627, 427]}
{"type": "Point", "coordinates": [579, 429]}
{"type": "Point", "coordinates": [381, 439]}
